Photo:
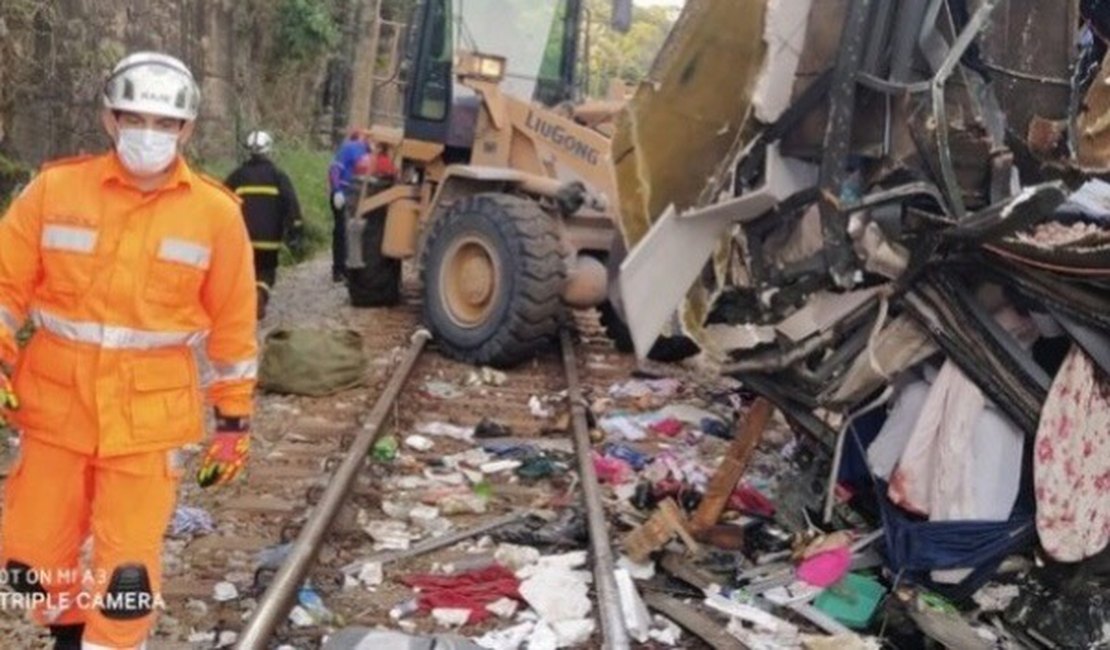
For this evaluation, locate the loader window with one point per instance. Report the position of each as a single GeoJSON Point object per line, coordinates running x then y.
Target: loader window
{"type": "Point", "coordinates": [432, 83]}
{"type": "Point", "coordinates": [530, 34]}
{"type": "Point", "coordinates": [550, 84]}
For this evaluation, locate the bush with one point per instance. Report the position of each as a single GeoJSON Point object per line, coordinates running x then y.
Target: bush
{"type": "Point", "coordinates": [12, 176]}
{"type": "Point", "coordinates": [305, 30]}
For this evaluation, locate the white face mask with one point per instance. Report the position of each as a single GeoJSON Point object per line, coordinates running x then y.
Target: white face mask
{"type": "Point", "coordinates": [146, 152]}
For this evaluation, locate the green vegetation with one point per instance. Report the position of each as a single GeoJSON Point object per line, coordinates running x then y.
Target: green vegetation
{"type": "Point", "coordinates": [308, 171]}
{"type": "Point", "coordinates": [305, 30]}
{"type": "Point", "coordinates": [624, 57]}
{"type": "Point", "coordinates": [12, 176]}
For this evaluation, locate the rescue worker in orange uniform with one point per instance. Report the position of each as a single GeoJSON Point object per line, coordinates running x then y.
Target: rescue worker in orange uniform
{"type": "Point", "coordinates": [131, 266]}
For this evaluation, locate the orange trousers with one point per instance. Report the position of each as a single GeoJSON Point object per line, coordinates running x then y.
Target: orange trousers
{"type": "Point", "coordinates": [54, 499]}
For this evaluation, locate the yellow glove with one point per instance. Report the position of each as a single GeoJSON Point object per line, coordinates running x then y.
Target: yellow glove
{"type": "Point", "coordinates": [227, 455]}
{"type": "Point", "coordinates": [8, 399]}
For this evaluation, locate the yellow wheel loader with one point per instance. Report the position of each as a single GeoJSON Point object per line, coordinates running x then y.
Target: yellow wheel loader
{"type": "Point", "coordinates": [507, 195]}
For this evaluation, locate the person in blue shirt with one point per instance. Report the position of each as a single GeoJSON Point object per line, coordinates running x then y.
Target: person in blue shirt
{"type": "Point", "coordinates": [342, 192]}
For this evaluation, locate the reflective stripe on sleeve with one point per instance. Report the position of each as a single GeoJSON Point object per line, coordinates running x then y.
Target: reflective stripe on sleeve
{"type": "Point", "coordinates": [236, 371]}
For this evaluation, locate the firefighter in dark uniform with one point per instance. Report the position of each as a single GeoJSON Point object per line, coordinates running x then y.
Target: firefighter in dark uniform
{"type": "Point", "coordinates": [271, 209]}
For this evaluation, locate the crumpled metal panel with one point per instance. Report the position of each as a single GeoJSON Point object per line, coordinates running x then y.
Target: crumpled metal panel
{"type": "Point", "coordinates": [711, 92]}
{"type": "Point", "coordinates": [922, 164]}
{"type": "Point", "coordinates": [690, 111]}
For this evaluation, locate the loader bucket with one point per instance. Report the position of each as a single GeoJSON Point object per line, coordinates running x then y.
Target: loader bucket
{"type": "Point", "coordinates": [724, 73]}
{"type": "Point", "coordinates": [691, 110]}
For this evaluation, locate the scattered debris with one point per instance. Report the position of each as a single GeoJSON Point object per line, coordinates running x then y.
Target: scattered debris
{"type": "Point", "coordinates": [189, 522]}
{"type": "Point", "coordinates": [637, 388]}
{"type": "Point", "coordinates": [371, 574]}
{"type": "Point", "coordinates": [637, 620]}
{"type": "Point", "coordinates": [538, 409]}
{"type": "Point", "coordinates": [488, 428]}
{"type": "Point", "coordinates": [419, 443]}
{"type": "Point", "coordinates": [225, 591]}
{"type": "Point", "coordinates": [486, 377]}
{"type": "Point", "coordinates": [442, 390]}
{"type": "Point", "coordinates": [385, 449]}
{"type": "Point", "coordinates": [388, 534]}
{"type": "Point", "coordinates": [503, 607]}
{"type": "Point", "coordinates": [667, 523]}
{"type": "Point", "coordinates": [469, 591]}
{"type": "Point", "coordinates": [445, 430]}
{"type": "Point", "coordinates": [448, 617]}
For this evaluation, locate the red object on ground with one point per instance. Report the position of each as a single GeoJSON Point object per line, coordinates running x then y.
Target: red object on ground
{"type": "Point", "coordinates": [670, 427]}
{"type": "Point", "coordinates": [748, 499]}
{"type": "Point", "coordinates": [471, 590]}
{"type": "Point", "coordinates": [611, 470]}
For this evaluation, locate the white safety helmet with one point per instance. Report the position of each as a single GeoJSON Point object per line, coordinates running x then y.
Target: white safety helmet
{"type": "Point", "coordinates": [259, 142]}
{"type": "Point", "coordinates": [149, 82]}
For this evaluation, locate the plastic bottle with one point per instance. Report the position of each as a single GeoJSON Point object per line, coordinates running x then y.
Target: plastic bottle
{"type": "Point", "coordinates": [314, 605]}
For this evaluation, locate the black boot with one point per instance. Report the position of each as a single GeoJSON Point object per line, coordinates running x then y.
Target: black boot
{"type": "Point", "coordinates": [67, 637]}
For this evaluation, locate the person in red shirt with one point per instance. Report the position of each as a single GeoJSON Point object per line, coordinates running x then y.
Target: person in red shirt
{"type": "Point", "coordinates": [382, 162]}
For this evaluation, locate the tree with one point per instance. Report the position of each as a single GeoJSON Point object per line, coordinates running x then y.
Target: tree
{"type": "Point", "coordinates": [624, 57]}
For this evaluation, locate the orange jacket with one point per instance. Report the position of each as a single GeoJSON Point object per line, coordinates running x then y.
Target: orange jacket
{"type": "Point", "coordinates": [127, 292]}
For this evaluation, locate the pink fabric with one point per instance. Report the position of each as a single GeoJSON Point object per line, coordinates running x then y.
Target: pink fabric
{"type": "Point", "coordinates": [1055, 235]}
{"type": "Point", "coordinates": [1071, 466]}
{"type": "Point", "coordinates": [827, 568]}
{"type": "Point", "coordinates": [611, 470]}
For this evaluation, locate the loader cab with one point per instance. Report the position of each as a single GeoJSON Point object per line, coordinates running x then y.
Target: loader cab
{"type": "Point", "coordinates": [539, 39]}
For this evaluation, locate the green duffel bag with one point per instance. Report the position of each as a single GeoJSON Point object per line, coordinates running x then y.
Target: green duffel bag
{"type": "Point", "coordinates": [312, 362]}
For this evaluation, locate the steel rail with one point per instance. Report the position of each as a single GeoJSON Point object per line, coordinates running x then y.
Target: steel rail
{"type": "Point", "coordinates": [278, 599]}
{"type": "Point", "coordinates": [610, 614]}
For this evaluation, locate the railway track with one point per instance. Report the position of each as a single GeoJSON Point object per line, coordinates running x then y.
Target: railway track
{"type": "Point", "coordinates": [300, 447]}
{"type": "Point", "coordinates": [309, 488]}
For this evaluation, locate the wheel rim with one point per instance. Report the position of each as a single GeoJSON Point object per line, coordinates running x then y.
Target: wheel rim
{"type": "Point", "coordinates": [470, 281]}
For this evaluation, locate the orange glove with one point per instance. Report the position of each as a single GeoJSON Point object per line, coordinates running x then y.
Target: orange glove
{"type": "Point", "coordinates": [227, 455]}
{"type": "Point", "coordinates": [8, 400]}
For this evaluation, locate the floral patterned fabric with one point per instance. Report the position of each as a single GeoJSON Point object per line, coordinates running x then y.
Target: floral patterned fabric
{"type": "Point", "coordinates": [1071, 467]}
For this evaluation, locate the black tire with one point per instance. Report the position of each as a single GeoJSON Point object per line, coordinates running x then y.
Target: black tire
{"type": "Point", "coordinates": [667, 349]}
{"type": "Point", "coordinates": [378, 283]}
{"type": "Point", "coordinates": [524, 309]}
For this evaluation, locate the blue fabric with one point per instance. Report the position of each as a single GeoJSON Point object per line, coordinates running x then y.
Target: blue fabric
{"type": "Point", "coordinates": [853, 463]}
{"type": "Point", "coordinates": [345, 160]}
{"type": "Point", "coordinates": [913, 546]}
